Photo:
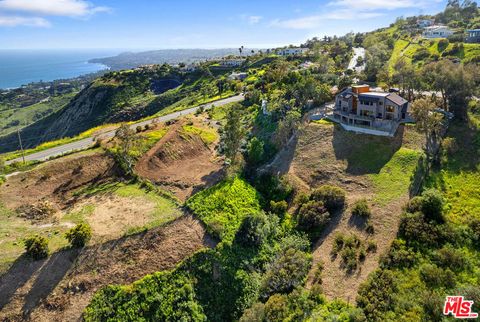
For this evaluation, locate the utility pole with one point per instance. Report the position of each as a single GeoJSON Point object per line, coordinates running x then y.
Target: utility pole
{"type": "Point", "coordinates": [21, 145]}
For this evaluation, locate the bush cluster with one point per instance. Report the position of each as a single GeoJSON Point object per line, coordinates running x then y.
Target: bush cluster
{"type": "Point", "coordinates": [332, 197]}
{"type": "Point", "coordinates": [79, 235]}
{"type": "Point", "coordinates": [254, 229]}
{"type": "Point", "coordinates": [36, 247]}
{"type": "Point", "coordinates": [360, 208]}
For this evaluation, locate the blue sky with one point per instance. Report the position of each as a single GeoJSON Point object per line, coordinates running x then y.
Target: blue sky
{"type": "Point", "coordinates": [152, 24]}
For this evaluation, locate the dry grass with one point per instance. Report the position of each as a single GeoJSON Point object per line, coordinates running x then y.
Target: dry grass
{"type": "Point", "coordinates": [375, 168]}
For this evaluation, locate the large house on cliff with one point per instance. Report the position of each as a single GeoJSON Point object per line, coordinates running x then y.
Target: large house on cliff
{"type": "Point", "coordinates": [361, 110]}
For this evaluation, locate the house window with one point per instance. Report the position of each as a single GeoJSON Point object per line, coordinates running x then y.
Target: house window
{"type": "Point", "coordinates": [380, 103]}
{"type": "Point", "coordinates": [390, 108]}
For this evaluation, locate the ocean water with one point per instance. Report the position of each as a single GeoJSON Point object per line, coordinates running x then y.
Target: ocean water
{"type": "Point", "coordinates": [20, 67]}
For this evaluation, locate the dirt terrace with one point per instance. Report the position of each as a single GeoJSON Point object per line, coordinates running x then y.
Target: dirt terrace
{"type": "Point", "coordinates": [181, 162]}
{"type": "Point", "coordinates": [60, 287]}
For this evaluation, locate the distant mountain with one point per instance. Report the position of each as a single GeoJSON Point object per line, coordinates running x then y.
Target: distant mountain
{"type": "Point", "coordinates": [129, 60]}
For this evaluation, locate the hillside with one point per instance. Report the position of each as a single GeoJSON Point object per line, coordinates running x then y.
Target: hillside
{"type": "Point", "coordinates": [263, 209]}
{"type": "Point", "coordinates": [115, 97]}
{"type": "Point", "coordinates": [130, 60]}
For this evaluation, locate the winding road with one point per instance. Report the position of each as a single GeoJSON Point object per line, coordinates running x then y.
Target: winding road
{"type": "Point", "coordinates": [88, 142]}
{"type": "Point", "coordinates": [357, 52]}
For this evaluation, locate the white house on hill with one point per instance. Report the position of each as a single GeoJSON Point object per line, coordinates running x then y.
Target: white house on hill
{"type": "Point", "coordinates": [292, 51]}
{"type": "Point", "coordinates": [437, 32]}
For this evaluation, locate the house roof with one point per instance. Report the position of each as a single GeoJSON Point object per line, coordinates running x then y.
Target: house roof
{"type": "Point", "coordinates": [396, 99]}
{"type": "Point", "coordinates": [374, 94]}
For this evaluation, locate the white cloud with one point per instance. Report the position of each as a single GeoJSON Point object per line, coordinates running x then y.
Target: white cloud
{"type": "Point", "coordinates": [69, 8]}
{"type": "Point", "coordinates": [13, 21]}
{"type": "Point", "coordinates": [368, 5]}
{"type": "Point", "coordinates": [349, 10]}
{"type": "Point", "coordinates": [315, 21]}
{"type": "Point", "coordinates": [251, 19]}
{"type": "Point", "coordinates": [254, 19]}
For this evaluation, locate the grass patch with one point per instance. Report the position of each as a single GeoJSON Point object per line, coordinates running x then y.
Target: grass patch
{"type": "Point", "coordinates": [208, 136]}
{"type": "Point", "coordinates": [12, 118]}
{"type": "Point", "coordinates": [223, 207]}
{"type": "Point", "coordinates": [394, 178]}
{"type": "Point", "coordinates": [459, 176]}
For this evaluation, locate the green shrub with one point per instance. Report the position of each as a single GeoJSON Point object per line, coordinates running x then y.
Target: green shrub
{"type": "Point", "coordinates": [399, 255]}
{"type": "Point", "coordinates": [312, 216]}
{"type": "Point", "coordinates": [254, 229]}
{"type": "Point", "coordinates": [254, 314]}
{"type": "Point", "coordinates": [349, 258]}
{"type": "Point", "coordinates": [36, 247]}
{"type": "Point", "coordinates": [420, 233]}
{"type": "Point", "coordinates": [79, 235]}
{"type": "Point", "coordinates": [371, 246]}
{"type": "Point", "coordinates": [276, 308]}
{"type": "Point", "coordinates": [443, 44]}
{"type": "Point", "coordinates": [376, 296]}
{"type": "Point", "coordinates": [157, 297]}
{"type": "Point", "coordinates": [360, 208]}
{"type": "Point", "coordinates": [255, 151]}
{"type": "Point", "coordinates": [449, 257]}
{"type": "Point", "coordinates": [414, 205]}
{"type": "Point", "coordinates": [273, 188]}
{"type": "Point", "coordinates": [223, 206]}
{"type": "Point", "coordinates": [286, 272]}
{"type": "Point", "coordinates": [338, 242]}
{"type": "Point", "coordinates": [435, 277]}
{"type": "Point", "coordinates": [332, 197]}
{"type": "Point", "coordinates": [432, 205]}
{"type": "Point", "coordinates": [279, 208]}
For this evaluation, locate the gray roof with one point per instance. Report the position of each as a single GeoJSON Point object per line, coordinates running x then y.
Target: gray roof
{"type": "Point", "coordinates": [397, 99]}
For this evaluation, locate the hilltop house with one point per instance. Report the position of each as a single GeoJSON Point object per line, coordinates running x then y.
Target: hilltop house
{"type": "Point", "coordinates": [437, 31]}
{"type": "Point", "coordinates": [361, 110]}
{"type": "Point", "coordinates": [231, 62]}
{"type": "Point", "coordinates": [473, 36]}
{"type": "Point", "coordinates": [423, 23]}
{"type": "Point", "coordinates": [238, 76]}
{"type": "Point", "coordinates": [294, 51]}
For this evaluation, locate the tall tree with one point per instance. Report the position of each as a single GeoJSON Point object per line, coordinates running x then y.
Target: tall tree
{"type": "Point", "coordinates": [455, 82]}
{"type": "Point", "coordinates": [233, 132]}
{"type": "Point", "coordinates": [429, 122]}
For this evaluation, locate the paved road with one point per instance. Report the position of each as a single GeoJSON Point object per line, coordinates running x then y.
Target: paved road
{"type": "Point", "coordinates": [88, 142]}
{"type": "Point", "coordinates": [357, 52]}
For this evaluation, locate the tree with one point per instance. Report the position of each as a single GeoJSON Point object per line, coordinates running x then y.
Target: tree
{"type": "Point", "coordinates": [36, 247]}
{"type": "Point", "coordinates": [455, 82]}
{"type": "Point", "coordinates": [255, 151]}
{"type": "Point", "coordinates": [287, 127]}
{"type": "Point", "coordinates": [405, 76]}
{"type": "Point", "coordinates": [126, 142]}
{"type": "Point", "coordinates": [79, 235]}
{"type": "Point", "coordinates": [255, 228]}
{"type": "Point", "coordinates": [233, 132]}
{"type": "Point", "coordinates": [429, 122]}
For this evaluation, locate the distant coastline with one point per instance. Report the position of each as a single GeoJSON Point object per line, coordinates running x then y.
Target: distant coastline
{"type": "Point", "coordinates": [23, 67]}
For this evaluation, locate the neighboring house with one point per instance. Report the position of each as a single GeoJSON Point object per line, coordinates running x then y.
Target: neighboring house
{"type": "Point", "coordinates": [423, 23]}
{"type": "Point", "coordinates": [295, 51]}
{"type": "Point", "coordinates": [437, 32]}
{"type": "Point", "coordinates": [379, 113]}
{"type": "Point", "coordinates": [473, 36]}
{"type": "Point", "coordinates": [237, 76]}
{"type": "Point", "coordinates": [231, 62]}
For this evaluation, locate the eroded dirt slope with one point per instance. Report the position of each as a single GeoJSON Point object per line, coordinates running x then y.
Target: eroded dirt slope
{"type": "Point", "coordinates": [181, 162]}
{"type": "Point", "coordinates": [60, 287]}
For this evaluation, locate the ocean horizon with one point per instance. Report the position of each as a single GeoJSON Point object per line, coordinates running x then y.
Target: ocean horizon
{"type": "Point", "coordinates": [21, 67]}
